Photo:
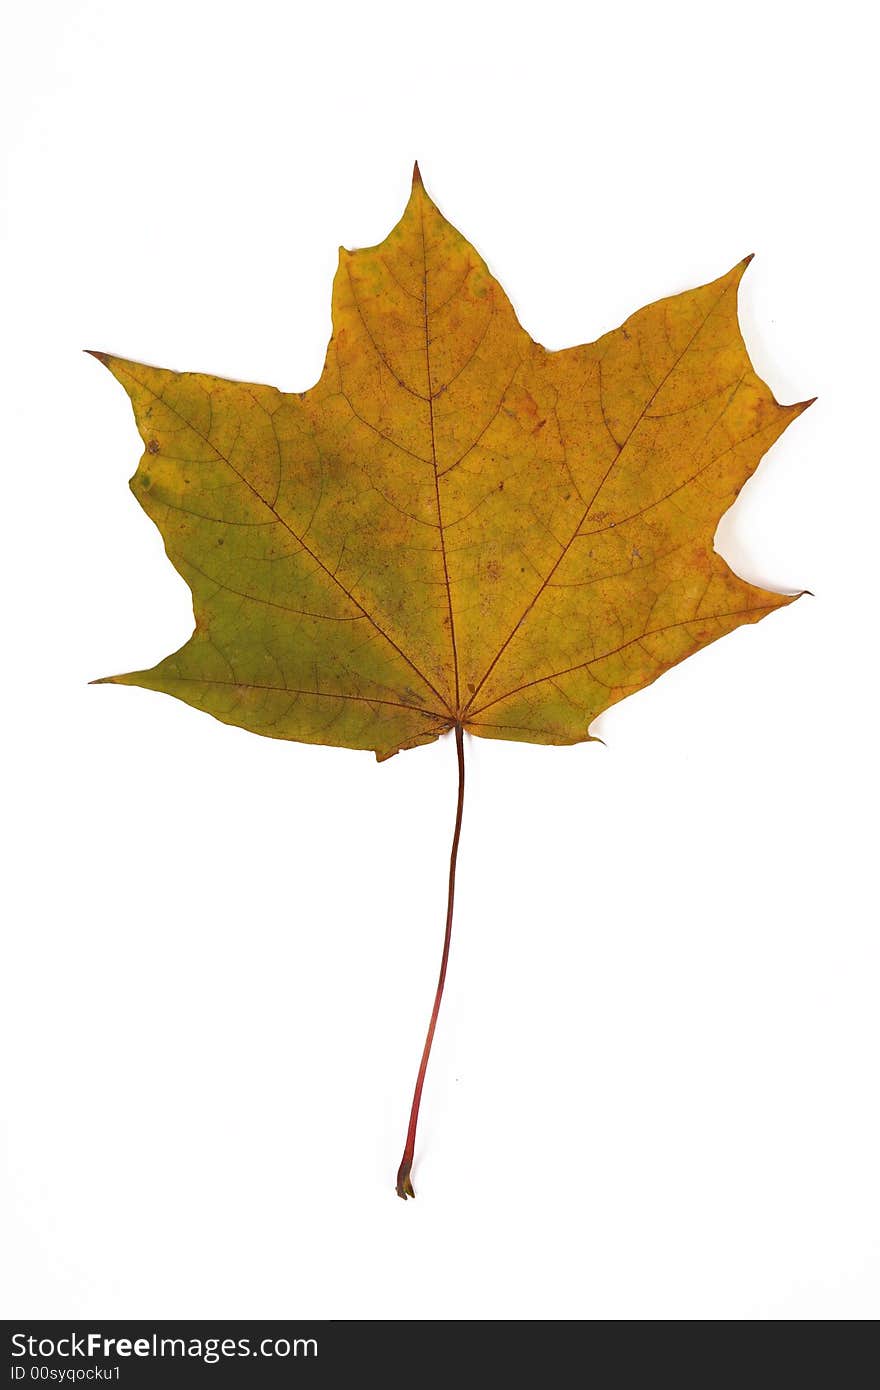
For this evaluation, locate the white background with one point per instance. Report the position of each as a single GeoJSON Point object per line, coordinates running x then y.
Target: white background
{"type": "Point", "coordinates": [654, 1086]}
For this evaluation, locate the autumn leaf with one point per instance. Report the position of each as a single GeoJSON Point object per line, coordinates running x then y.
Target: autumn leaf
{"type": "Point", "coordinates": [454, 529]}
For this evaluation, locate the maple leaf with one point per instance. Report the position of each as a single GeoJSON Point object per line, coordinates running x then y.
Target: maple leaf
{"type": "Point", "coordinates": [454, 528]}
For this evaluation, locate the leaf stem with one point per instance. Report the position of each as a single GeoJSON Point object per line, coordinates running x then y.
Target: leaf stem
{"type": "Point", "coordinates": [404, 1184]}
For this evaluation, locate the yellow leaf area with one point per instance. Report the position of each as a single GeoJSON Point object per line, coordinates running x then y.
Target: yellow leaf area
{"type": "Point", "coordinates": [454, 525]}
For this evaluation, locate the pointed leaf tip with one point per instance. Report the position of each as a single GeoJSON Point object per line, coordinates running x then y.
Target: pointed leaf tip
{"type": "Point", "coordinates": [417, 175]}
{"type": "Point", "coordinates": [798, 407]}
{"type": "Point", "coordinates": [101, 356]}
